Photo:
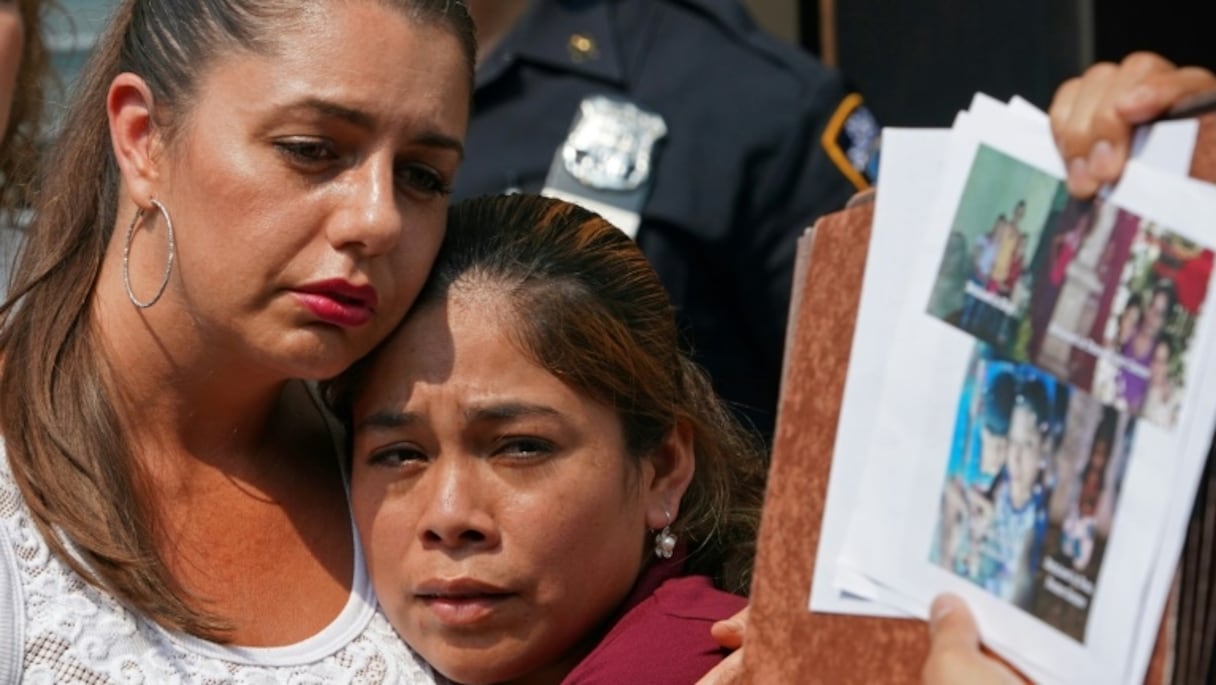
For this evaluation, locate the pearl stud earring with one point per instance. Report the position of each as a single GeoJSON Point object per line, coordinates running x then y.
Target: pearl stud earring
{"type": "Point", "coordinates": [665, 540]}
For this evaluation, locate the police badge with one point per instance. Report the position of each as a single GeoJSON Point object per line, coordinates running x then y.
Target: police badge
{"type": "Point", "coordinates": [606, 160]}
{"type": "Point", "coordinates": [610, 144]}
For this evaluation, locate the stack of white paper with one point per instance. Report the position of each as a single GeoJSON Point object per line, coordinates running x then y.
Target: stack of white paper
{"type": "Point", "coordinates": [1024, 422]}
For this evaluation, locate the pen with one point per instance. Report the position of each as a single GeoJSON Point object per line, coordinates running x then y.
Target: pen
{"type": "Point", "coordinates": [1193, 106]}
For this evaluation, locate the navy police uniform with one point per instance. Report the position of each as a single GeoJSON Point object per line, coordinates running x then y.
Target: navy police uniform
{"type": "Point", "coordinates": [713, 142]}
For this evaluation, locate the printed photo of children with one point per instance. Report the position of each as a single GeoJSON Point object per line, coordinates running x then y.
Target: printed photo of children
{"type": "Point", "coordinates": [999, 478]}
{"type": "Point", "coordinates": [1092, 458]}
{"type": "Point", "coordinates": [1030, 489]}
{"type": "Point", "coordinates": [983, 278]}
{"type": "Point", "coordinates": [1089, 293]}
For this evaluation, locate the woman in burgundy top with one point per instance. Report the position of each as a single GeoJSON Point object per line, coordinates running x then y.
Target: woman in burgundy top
{"type": "Point", "coordinates": [546, 488]}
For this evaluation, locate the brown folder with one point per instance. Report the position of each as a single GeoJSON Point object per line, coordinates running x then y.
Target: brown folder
{"type": "Point", "coordinates": [786, 643]}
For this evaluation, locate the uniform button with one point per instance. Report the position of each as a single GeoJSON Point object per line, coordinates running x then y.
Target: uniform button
{"type": "Point", "coordinates": [582, 47]}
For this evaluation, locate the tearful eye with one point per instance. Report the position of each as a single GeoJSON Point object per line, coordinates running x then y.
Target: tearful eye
{"type": "Point", "coordinates": [526, 448]}
{"type": "Point", "coordinates": [423, 180]}
{"type": "Point", "coordinates": [396, 456]}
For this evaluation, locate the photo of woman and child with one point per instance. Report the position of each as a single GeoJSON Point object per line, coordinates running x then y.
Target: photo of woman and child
{"type": "Point", "coordinates": [1147, 337]}
{"type": "Point", "coordinates": [1144, 352]}
{"type": "Point", "coordinates": [1030, 490]}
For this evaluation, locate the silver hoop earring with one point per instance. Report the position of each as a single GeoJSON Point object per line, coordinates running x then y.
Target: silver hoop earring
{"type": "Point", "coordinates": [665, 540]}
{"type": "Point", "coordinates": [126, 256]}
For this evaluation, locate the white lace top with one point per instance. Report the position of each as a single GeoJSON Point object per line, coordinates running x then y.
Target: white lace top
{"type": "Point", "coordinates": [56, 628]}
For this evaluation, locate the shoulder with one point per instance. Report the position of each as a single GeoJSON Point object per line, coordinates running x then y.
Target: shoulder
{"type": "Point", "coordinates": [707, 65]}
{"type": "Point", "coordinates": [664, 638]}
{"type": "Point", "coordinates": [700, 34]}
{"type": "Point", "coordinates": [694, 598]}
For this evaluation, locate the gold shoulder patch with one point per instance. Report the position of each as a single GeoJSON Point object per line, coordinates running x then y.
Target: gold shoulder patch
{"type": "Point", "coordinates": [851, 141]}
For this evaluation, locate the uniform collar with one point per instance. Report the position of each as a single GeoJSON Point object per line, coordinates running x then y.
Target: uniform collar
{"type": "Point", "coordinates": [550, 33]}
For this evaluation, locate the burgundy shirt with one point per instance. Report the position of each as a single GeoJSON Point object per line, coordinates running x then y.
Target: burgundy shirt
{"type": "Point", "coordinates": [661, 635]}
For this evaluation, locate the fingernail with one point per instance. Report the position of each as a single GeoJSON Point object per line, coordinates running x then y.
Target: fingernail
{"type": "Point", "coordinates": [1101, 159]}
{"type": "Point", "coordinates": [1078, 173]}
{"type": "Point", "coordinates": [940, 608]}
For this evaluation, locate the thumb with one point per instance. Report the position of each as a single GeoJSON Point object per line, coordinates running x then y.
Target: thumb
{"type": "Point", "coordinates": [954, 649]}
{"type": "Point", "coordinates": [729, 632]}
{"type": "Point", "coordinates": [951, 625]}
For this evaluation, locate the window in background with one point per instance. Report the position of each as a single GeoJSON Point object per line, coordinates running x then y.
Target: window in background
{"type": "Point", "coordinates": [70, 28]}
{"type": "Point", "coordinates": [71, 31]}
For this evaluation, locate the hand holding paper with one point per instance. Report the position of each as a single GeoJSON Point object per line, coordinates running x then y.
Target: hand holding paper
{"type": "Point", "coordinates": [1092, 116]}
{"type": "Point", "coordinates": [954, 649]}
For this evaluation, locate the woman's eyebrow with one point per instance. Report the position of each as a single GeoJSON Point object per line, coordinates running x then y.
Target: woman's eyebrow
{"type": "Point", "coordinates": [366, 121]}
{"type": "Point", "coordinates": [387, 419]}
{"type": "Point", "coordinates": [390, 419]}
{"type": "Point", "coordinates": [506, 411]}
{"type": "Point", "coordinates": [331, 109]}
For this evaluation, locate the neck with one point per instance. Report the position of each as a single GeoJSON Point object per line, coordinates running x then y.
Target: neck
{"type": "Point", "coordinates": [494, 20]}
{"type": "Point", "coordinates": [1018, 496]}
{"type": "Point", "coordinates": [182, 400]}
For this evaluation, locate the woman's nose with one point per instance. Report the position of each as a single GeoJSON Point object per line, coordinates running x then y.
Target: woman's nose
{"type": "Point", "coordinates": [459, 512]}
{"type": "Point", "coordinates": [373, 219]}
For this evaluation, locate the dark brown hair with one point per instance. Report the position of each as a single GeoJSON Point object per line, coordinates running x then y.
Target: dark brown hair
{"type": "Point", "coordinates": [590, 309]}
{"type": "Point", "coordinates": [61, 431]}
{"type": "Point", "coordinates": [19, 155]}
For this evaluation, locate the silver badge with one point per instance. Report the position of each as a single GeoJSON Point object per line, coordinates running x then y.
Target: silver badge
{"type": "Point", "coordinates": [611, 142]}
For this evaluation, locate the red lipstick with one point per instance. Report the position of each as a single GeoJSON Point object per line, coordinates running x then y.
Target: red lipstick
{"type": "Point", "coordinates": [339, 302]}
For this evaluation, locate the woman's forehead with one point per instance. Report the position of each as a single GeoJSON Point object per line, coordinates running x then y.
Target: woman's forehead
{"type": "Point", "coordinates": [359, 58]}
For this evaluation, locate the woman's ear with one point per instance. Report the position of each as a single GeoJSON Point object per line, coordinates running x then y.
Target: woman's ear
{"type": "Point", "coordinates": [133, 135]}
{"type": "Point", "coordinates": [674, 463]}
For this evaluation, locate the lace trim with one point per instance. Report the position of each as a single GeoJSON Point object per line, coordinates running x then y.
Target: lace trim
{"type": "Point", "coordinates": [73, 632]}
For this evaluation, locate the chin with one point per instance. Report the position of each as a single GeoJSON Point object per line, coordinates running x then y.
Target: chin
{"type": "Point", "coordinates": [316, 369]}
{"type": "Point", "coordinates": [324, 373]}
{"type": "Point", "coordinates": [324, 359]}
{"type": "Point", "coordinates": [472, 669]}
{"type": "Point", "coordinates": [477, 666]}
{"type": "Point", "coordinates": [474, 677]}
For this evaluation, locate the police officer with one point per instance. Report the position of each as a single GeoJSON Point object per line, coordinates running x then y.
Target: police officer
{"type": "Point", "coordinates": [711, 142]}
